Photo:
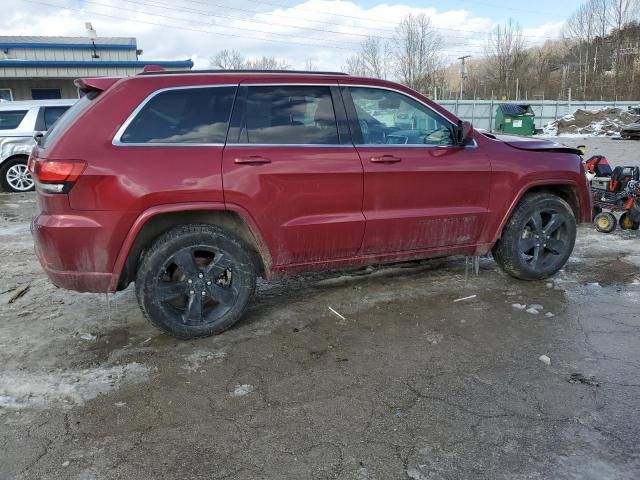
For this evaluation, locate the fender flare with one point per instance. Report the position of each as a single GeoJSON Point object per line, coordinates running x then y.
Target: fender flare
{"type": "Point", "coordinates": [521, 193]}
{"type": "Point", "coordinates": [156, 210]}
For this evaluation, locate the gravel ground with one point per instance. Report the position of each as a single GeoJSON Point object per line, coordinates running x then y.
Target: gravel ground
{"type": "Point", "coordinates": [618, 152]}
{"type": "Point", "coordinates": [410, 385]}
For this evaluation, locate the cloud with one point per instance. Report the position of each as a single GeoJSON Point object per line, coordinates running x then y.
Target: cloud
{"type": "Point", "coordinates": [302, 33]}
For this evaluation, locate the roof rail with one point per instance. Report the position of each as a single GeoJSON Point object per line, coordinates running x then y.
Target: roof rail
{"type": "Point", "coordinates": [183, 72]}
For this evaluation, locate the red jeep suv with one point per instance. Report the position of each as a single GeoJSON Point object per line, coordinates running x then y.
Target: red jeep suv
{"type": "Point", "coordinates": [192, 184]}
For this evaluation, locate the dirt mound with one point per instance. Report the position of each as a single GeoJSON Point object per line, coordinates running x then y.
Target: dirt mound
{"type": "Point", "coordinates": [609, 121]}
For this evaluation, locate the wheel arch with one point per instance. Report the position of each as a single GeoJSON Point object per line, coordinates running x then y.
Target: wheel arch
{"type": "Point", "coordinates": [156, 221]}
{"type": "Point", "coordinates": [11, 156]}
{"type": "Point", "coordinates": [566, 190]}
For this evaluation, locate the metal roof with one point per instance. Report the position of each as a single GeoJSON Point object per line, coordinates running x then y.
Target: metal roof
{"type": "Point", "coordinates": [95, 63]}
{"type": "Point", "coordinates": [41, 40]}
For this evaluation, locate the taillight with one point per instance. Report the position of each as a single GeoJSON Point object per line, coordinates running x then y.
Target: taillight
{"type": "Point", "coordinates": [56, 176]}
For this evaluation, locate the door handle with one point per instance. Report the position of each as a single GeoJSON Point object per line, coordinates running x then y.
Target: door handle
{"type": "Point", "coordinates": [252, 160]}
{"type": "Point", "coordinates": [385, 159]}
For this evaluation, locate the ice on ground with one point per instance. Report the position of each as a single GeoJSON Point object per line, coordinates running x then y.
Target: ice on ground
{"type": "Point", "coordinates": [242, 390]}
{"type": "Point", "coordinates": [65, 388]}
{"type": "Point", "coordinates": [87, 336]}
{"type": "Point", "coordinates": [519, 306]}
{"type": "Point", "coordinates": [549, 315]}
{"type": "Point", "coordinates": [536, 306]}
{"type": "Point", "coordinates": [532, 311]}
{"type": "Point", "coordinates": [544, 359]}
{"type": "Point", "coordinates": [197, 359]}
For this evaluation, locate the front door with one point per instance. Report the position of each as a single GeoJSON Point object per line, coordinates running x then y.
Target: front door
{"type": "Point", "coordinates": [420, 190]}
{"type": "Point", "coordinates": [289, 162]}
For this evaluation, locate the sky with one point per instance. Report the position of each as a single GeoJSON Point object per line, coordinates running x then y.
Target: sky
{"type": "Point", "coordinates": [322, 33]}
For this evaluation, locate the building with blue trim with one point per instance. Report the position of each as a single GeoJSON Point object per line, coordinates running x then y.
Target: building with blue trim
{"type": "Point", "coordinates": [35, 68]}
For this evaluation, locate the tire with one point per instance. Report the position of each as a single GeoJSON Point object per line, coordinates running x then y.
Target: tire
{"type": "Point", "coordinates": [605, 222]}
{"type": "Point", "coordinates": [195, 281]}
{"type": "Point", "coordinates": [627, 223]}
{"type": "Point", "coordinates": [14, 176]}
{"type": "Point", "coordinates": [522, 254]}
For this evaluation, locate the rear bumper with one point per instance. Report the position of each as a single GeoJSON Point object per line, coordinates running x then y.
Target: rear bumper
{"type": "Point", "coordinates": [69, 250]}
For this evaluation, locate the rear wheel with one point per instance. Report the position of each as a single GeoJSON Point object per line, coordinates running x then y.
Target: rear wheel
{"type": "Point", "coordinates": [195, 281]}
{"type": "Point", "coordinates": [14, 175]}
{"type": "Point", "coordinates": [605, 222]}
{"type": "Point", "coordinates": [627, 222]}
{"type": "Point", "coordinates": [538, 238]}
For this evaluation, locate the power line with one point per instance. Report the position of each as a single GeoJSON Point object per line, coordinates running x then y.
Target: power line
{"type": "Point", "coordinates": [182, 28]}
{"type": "Point", "coordinates": [188, 28]}
{"type": "Point", "coordinates": [380, 21]}
{"type": "Point", "coordinates": [253, 20]}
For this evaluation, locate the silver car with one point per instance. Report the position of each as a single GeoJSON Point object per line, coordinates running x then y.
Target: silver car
{"type": "Point", "coordinates": [19, 122]}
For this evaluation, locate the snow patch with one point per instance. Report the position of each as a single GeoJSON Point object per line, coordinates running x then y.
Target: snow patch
{"type": "Point", "coordinates": [242, 390]}
{"type": "Point", "coordinates": [65, 388]}
{"type": "Point", "coordinates": [197, 359]}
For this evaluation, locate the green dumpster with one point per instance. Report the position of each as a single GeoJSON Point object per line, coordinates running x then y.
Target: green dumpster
{"type": "Point", "coordinates": [515, 118]}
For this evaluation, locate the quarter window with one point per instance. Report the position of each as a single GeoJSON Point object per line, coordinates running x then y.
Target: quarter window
{"type": "Point", "coordinates": [189, 115]}
{"type": "Point", "coordinates": [289, 115]}
{"type": "Point", "coordinates": [10, 119]}
{"type": "Point", "coordinates": [52, 114]}
{"type": "Point", "coordinates": [388, 117]}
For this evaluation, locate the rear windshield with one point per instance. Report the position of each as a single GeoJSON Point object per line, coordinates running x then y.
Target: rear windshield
{"type": "Point", "coordinates": [10, 119]}
{"type": "Point", "coordinates": [68, 117]}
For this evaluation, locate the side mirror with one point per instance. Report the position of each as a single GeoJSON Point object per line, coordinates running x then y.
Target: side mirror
{"type": "Point", "coordinates": [464, 133]}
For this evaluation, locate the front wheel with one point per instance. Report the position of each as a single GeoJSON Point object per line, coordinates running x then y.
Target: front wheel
{"type": "Point", "coordinates": [538, 238]}
{"type": "Point", "coordinates": [195, 281]}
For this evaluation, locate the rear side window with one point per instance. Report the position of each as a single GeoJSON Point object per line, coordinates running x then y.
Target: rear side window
{"type": "Point", "coordinates": [10, 119]}
{"type": "Point", "coordinates": [289, 115]}
{"type": "Point", "coordinates": [52, 114]}
{"type": "Point", "coordinates": [71, 114]}
{"type": "Point", "coordinates": [185, 115]}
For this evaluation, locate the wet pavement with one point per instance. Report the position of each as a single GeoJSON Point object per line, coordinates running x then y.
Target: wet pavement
{"type": "Point", "coordinates": [409, 385]}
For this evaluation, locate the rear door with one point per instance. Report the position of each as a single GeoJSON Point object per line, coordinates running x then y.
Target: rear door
{"type": "Point", "coordinates": [420, 190]}
{"type": "Point", "coordinates": [290, 163]}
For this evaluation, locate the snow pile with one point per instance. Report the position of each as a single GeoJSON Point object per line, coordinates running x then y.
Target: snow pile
{"type": "Point", "coordinates": [606, 122]}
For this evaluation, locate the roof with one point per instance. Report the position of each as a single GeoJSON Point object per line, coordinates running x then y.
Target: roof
{"type": "Point", "coordinates": [102, 43]}
{"type": "Point", "coordinates": [96, 63]}
{"type": "Point", "coordinates": [513, 109]}
{"type": "Point", "coordinates": [22, 104]}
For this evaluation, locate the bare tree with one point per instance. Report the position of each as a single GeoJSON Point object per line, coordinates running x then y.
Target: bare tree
{"type": "Point", "coordinates": [265, 63]}
{"type": "Point", "coordinates": [507, 55]}
{"type": "Point", "coordinates": [375, 57]}
{"type": "Point", "coordinates": [621, 12]}
{"type": "Point", "coordinates": [227, 60]}
{"type": "Point", "coordinates": [310, 66]}
{"type": "Point", "coordinates": [581, 27]}
{"type": "Point", "coordinates": [354, 65]}
{"type": "Point", "coordinates": [417, 53]}
{"type": "Point", "coordinates": [234, 60]}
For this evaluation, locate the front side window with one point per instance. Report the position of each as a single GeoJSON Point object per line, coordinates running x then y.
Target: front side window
{"type": "Point", "coordinates": [289, 115]}
{"type": "Point", "coordinates": [52, 114]}
{"type": "Point", "coordinates": [10, 119]}
{"type": "Point", "coordinates": [388, 117]}
{"type": "Point", "coordinates": [187, 115]}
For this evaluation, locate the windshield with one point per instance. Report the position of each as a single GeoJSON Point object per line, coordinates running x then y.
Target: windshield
{"type": "Point", "coordinates": [68, 117]}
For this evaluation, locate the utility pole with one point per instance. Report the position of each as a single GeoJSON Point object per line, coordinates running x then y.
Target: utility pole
{"type": "Point", "coordinates": [463, 73]}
